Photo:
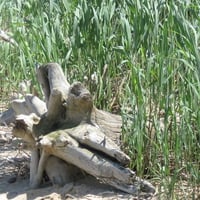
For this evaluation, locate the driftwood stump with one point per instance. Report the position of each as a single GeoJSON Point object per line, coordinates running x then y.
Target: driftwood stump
{"type": "Point", "coordinates": [70, 131]}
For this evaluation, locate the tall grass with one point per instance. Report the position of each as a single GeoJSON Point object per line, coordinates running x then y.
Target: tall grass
{"type": "Point", "coordinates": [140, 59]}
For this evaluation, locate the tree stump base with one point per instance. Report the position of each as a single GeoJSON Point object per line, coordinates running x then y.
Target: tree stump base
{"type": "Point", "coordinates": [68, 134]}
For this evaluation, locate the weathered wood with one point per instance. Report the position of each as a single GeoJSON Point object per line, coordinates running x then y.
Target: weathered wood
{"type": "Point", "coordinates": [65, 147]}
{"type": "Point", "coordinates": [55, 88]}
{"type": "Point", "coordinates": [30, 104]}
{"type": "Point", "coordinates": [94, 138]}
{"type": "Point", "coordinates": [74, 130]}
{"type": "Point", "coordinates": [35, 157]}
{"type": "Point", "coordinates": [28, 111]}
{"type": "Point", "coordinates": [24, 127]}
{"type": "Point", "coordinates": [52, 80]}
{"type": "Point", "coordinates": [93, 163]}
{"type": "Point", "coordinates": [109, 123]}
{"type": "Point", "coordinates": [85, 133]}
{"type": "Point", "coordinates": [61, 172]}
{"type": "Point", "coordinates": [37, 178]}
{"type": "Point", "coordinates": [61, 145]}
{"type": "Point", "coordinates": [79, 105]}
{"type": "Point", "coordinates": [68, 149]}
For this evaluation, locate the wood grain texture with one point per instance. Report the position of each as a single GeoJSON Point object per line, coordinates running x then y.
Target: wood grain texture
{"type": "Point", "coordinates": [70, 128]}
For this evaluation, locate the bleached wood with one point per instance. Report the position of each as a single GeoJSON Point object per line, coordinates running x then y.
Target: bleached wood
{"type": "Point", "coordinates": [35, 105]}
{"type": "Point", "coordinates": [78, 105]}
{"type": "Point", "coordinates": [52, 78]}
{"type": "Point", "coordinates": [74, 130]}
{"type": "Point", "coordinates": [20, 107]}
{"type": "Point", "coordinates": [30, 104]}
{"type": "Point", "coordinates": [65, 147]}
{"type": "Point", "coordinates": [33, 164]}
{"type": "Point", "coordinates": [61, 172]}
{"type": "Point", "coordinates": [37, 178]}
{"type": "Point", "coordinates": [55, 88]}
{"type": "Point", "coordinates": [109, 123]}
{"type": "Point", "coordinates": [24, 127]}
{"type": "Point", "coordinates": [94, 138]}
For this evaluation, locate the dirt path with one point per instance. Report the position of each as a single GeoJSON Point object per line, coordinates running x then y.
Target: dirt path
{"type": "Point", "coordinates": [15, 163]}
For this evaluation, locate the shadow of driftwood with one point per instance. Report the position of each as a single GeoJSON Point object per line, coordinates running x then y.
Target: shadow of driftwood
{"type": "Point", "coordinates": [85, 188]}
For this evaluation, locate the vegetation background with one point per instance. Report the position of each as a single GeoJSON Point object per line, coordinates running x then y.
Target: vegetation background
{"type": "Point", "coordinates": [140, 59]}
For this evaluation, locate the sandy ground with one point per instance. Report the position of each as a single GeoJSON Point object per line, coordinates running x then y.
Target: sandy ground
{"type": "Point", "coordinates": [14, 179]}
